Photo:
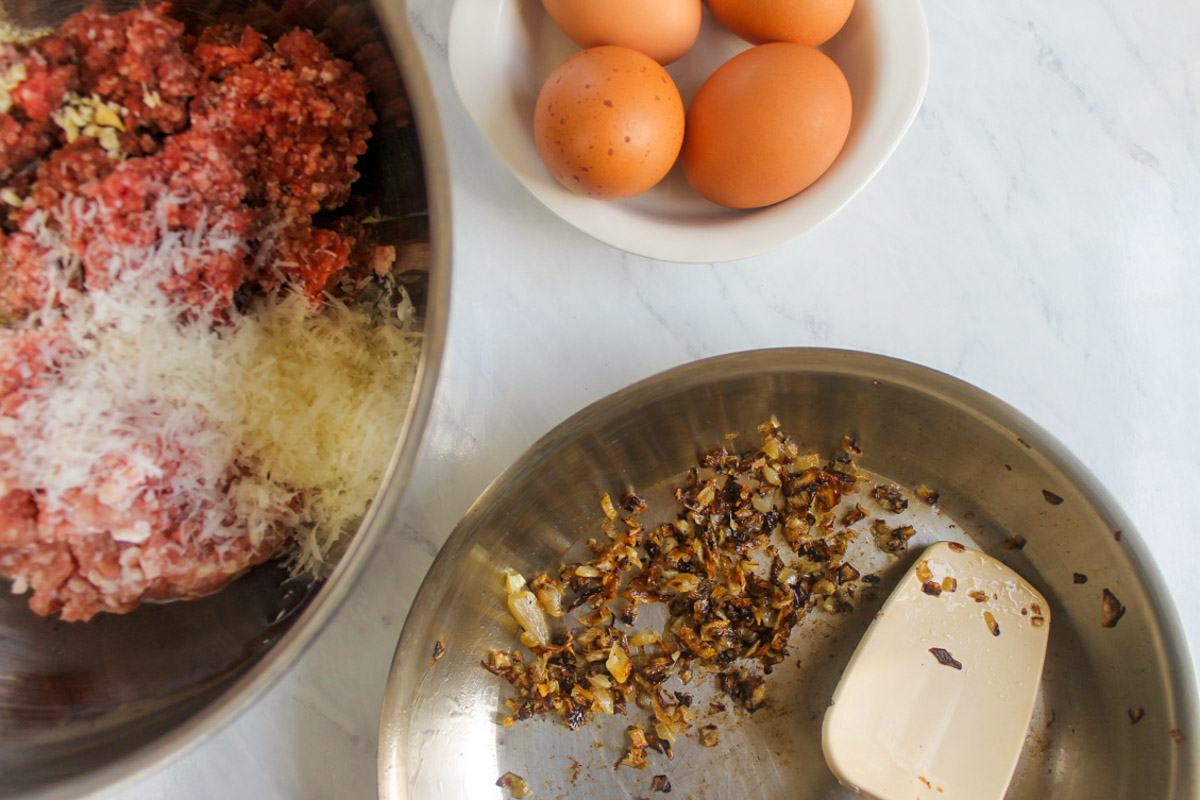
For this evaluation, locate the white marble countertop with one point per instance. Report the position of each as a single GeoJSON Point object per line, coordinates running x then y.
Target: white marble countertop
{"type": "Point", "coordinates": [1037, 234]}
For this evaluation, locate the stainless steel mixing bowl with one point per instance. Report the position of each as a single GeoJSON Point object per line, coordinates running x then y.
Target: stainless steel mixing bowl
{"type": "Point", "coordinates": [992, 466]}
{"type": "Point", "coordinates": [82, 705]}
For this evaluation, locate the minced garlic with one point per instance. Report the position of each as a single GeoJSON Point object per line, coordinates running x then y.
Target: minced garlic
{"type": "Point", "coordinates": [10, 79]}
{"type": "Point", "coordinates": [93, 117]}
{"type": "Point", "coordinates": [12, 34]}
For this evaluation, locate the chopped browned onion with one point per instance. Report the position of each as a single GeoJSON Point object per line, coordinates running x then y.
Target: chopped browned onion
{"type": "Point", "coordinates": [1111, 610]}
{"type": "Point", "coordinates": [930, 496]}
{"type": "Point", "coordinates": [515, 784]}
{"type": "Point", "coordinates": [549, 593]}
{"type": "Point", "coordinates": [604, 701]}
{"type": "Point", "coordinates": [890, 498]}
{"type": "Point", "coordinates": [944, 658]}
{"type": "Point", "coordinates": [754, 548]}
{"type": "Point", "coordinates": [618, 664]}
{"type": "Point", "coordinates": [528, 613]}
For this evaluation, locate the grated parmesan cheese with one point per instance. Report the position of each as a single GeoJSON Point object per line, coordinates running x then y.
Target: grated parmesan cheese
{"type": "Point", "coordinates": [322, 400]}
{"type": "Point", "coordinates": [282, 417]}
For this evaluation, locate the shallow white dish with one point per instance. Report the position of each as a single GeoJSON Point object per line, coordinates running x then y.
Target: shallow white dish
{"type": "Point", "coordinates": [501, 51]}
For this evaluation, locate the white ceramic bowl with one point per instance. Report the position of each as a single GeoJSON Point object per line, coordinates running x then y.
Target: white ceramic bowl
{"type": "Point", "coordinates": [501, 51]}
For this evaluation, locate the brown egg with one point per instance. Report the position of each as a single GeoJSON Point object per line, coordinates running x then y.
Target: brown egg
{"type": "Point", "coordinates": [609, 122]}
{"type": "Point", "coordinates": [766, 125]}
{"type": "Point", "coordinates": [662, 29]}
{"type": "Point", "coordinates": [802, 21]}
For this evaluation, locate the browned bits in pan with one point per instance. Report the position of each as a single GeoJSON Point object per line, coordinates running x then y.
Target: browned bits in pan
{"type": "Point", "coordinates": [1111, 610]}
{"type": "Point", "coordinates": [856, 514]}
{"type": "Point", "coordinates": [515, 784]}
{"type": "Point", "coordinates": [632, 504]}
{"type": "Point", "coordinates": [755, 546]}
{"type": "Point", "coordinates": [439, 650]}
{"type": "Point", "coordinates": [944, 658]}
{"type": "Point", "coordinates": [890, 498]}
{"type": "Point", "coordinates": [635, 756]}
{"type": "Point", "coordinates": [993, 626]}
{"type": "Point", "coordinates": [889, 539]}
{"type": "Point", "coordinates": [1136, 714]}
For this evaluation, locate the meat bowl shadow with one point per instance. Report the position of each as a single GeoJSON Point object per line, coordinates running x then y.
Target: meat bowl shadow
{"type": "Point", "coordinates": [87, 704]}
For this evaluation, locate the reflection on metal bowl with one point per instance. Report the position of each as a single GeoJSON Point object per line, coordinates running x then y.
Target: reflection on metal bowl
{"type": "Point", "coordinates": [86, 704]}
{"type": "Point", "coordinates": [998, 476]}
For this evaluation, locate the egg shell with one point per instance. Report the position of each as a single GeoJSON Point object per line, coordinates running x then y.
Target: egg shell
{"type": "Point", "coordinates": [608, 122]}
{"type": "Point", "coordinates": [662, 29]}
{"type": "Point", "coordinates": [766, 125]}
{"type": "Point", "coordinates": [810, 22]}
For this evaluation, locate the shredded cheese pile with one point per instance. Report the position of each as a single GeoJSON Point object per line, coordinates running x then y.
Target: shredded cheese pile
{"type": "Point", "coordinates": [280, 416]}
{"type": "Point", "coordinates": [322, 399]}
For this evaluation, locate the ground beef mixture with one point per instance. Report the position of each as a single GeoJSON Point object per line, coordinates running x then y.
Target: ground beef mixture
{"type": "Point", "coordinates": [135, 154]}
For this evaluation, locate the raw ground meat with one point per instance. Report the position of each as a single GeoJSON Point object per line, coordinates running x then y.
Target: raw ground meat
{"type": "Point", "coordinates": [113, 546]}
{"type": "Point", "coordinates": [136, 59]}
{"type": "Point", "coordinates": [294, 117]}
{"type": "Point", "coordinates": [190, 185]}
{"type": "Point", "coordinates": [26, 132]}
{"type": "Point", "coordinates": [25, 282]}
{"type": "Point", "coordinates": [228, 145]}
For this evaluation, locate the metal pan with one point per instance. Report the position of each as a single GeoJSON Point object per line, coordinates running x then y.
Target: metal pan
{"type": "Point", "coordinates": [998, 475]}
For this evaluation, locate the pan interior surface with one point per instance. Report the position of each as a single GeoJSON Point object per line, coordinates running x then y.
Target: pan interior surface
{"type": "Point", "coordinates": [998, 475]}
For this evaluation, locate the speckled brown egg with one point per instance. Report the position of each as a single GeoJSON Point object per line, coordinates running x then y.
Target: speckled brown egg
{"type": "Point", "coordinates": [767, 124]}
{"type": "Point", "coordinates": [609, 122]}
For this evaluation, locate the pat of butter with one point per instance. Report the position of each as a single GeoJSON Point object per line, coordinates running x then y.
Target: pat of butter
{"type": "Point", "coordinates": [936, 700]}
